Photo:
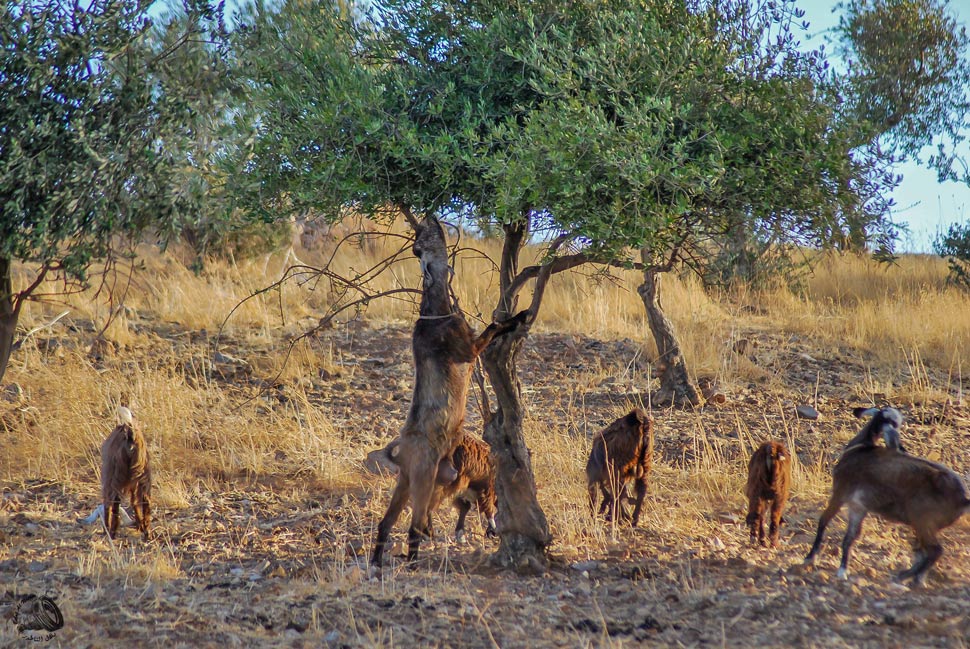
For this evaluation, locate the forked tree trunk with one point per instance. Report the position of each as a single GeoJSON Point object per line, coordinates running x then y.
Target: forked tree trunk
{"type": "Point", "coordinates": [522, 525]}
{"type": "Point", "coordinates": [8, 315]}
{"type": "Point", "coordinates": [675, 386]}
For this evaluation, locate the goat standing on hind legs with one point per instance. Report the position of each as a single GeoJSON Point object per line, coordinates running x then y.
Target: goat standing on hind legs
{"type": "Point", "coordinates": [445, 349]}
{"type": "Point", "coordinates": [125, 470]}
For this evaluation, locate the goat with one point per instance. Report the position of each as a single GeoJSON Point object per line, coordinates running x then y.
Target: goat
{"type": "Point", "coordinates": [769, 479]}
{"type": "Point", "coordinates": [621, 452]}
{"type": "Point", "coordinates": [467, 478]}
{"type": "Point", "coordinates": [125, 470]}
{"type": "Point", "coordinates": [898, 487]}
{"type": "Point", "coordinates": [885, 422]}
{"type": "Point", "coordinates": [445, 349]}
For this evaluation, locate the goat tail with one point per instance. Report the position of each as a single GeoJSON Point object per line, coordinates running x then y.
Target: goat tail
{"type": "Point", "coordinates": [125, 416]}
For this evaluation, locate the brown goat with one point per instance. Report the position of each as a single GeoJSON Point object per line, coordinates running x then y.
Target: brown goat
{"type": "Point", "coordinates": [898, 487]}
{"type": "Point", "coordinates": [621, 452]}
{"type": "Point", "coordinates": [125, 470]}
{"type": "Point", "coordinates": [769, 479]}
{"type": "Point", "coordinates": [445, 349]}
{"type": "Point", "coordinates": [466, 478]}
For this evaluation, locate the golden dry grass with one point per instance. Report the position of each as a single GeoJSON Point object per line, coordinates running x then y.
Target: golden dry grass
{"type": "Point", "coordinates": [295, 427]}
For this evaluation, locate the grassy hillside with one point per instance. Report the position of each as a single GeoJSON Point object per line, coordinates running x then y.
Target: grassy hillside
{"type": "Point", "coordinates": [262, 501]}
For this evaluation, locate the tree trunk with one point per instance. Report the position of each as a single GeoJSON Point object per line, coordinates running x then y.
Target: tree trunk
{"type": "Point", "coordinates": [8, 315]}
{"type": "Point", "coordinates": [522, 525]}
{"type": "Point", "coordinates": [675, 386]}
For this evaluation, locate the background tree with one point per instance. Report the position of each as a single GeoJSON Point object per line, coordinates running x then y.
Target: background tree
{"type": "Point", "coordinates": [607, 132]}
{"type": "Point", "coordinates": [88, 157]}
{"type": "Point", "coordinates": [667, 128]}
{"type": "Point", "coordinates": [908, 82]}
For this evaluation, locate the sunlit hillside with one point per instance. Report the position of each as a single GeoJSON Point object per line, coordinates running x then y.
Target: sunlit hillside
{"type": "Point", "coordinates": [257, 438]}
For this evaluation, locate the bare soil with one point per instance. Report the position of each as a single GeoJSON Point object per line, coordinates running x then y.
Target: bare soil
{"type": "Point", "coordinates": [279, 560]}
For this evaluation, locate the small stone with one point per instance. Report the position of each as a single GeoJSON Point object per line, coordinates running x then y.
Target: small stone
{"type": "Point", "coordinates": [13, 393]}
{"type": "Point", "coordinates": [36, 566]}
{"type": "Point", "coordinates": [585, 566]}
{"type": "Point", "coordinates": [806, 412]}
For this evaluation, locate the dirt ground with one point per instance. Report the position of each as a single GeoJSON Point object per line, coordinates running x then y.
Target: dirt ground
{"type": "Point", "coordinates": [280, 560]}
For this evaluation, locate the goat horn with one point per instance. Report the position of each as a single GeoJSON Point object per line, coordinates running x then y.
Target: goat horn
{"type": "Point", "coordinates": [865, 412]}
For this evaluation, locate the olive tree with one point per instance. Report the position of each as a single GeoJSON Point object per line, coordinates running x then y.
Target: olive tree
{"type": "Point", "coordinates": [621, 133]}
{"type": "Point", "coordinates": [90, 144]}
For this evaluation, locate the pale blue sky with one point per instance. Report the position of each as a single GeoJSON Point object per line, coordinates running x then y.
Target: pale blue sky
{"type": "Point", "coordinates": [922, 202]}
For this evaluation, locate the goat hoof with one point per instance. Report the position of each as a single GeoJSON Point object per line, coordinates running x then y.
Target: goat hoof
{"type": "Point", "coordinates": [842, 574]}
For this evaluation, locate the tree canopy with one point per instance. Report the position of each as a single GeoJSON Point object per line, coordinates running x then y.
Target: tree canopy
{"type": "Point", "coordinates": [91, 150]}
{"type": "Point", "coordinates": [908, 78]}
{"type": "Point", "coordinates": [632, 133]}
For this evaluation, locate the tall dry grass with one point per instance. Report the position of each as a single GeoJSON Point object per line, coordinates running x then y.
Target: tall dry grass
{"type": "Point", "coordinates": [903, 319]}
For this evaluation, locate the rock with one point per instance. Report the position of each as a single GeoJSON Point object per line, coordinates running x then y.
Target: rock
{"type": "Point", "coordinates": [585, 566]}
{"type": "Point", "coordinates": [806, 412]}
{"type": "Point", "coordinates": [36, 566]}
{"type": "Point", "coordinates": [13, 393]}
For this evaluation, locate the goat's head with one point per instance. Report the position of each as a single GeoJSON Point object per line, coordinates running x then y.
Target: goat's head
{"type": "Point", "coordinates": [429, 247]}
{"type": "Point", "coordinates": [637, 419]}
{"type": "Point", "coordinates": [776, 453]}
{"type": "Point", "coordinates": [885, 422]}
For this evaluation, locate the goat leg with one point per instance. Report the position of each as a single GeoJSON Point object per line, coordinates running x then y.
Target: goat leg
{"type": "Point", "coordinates": [835, 504]}
{"type": "Point", "coordinates": [499, 328]}
{"type": "Point", "coordinates": [421, 494]}
{"type": "Point", "coordinates": [398, 499]}
{"type": "Point", "coordinates": [774, 529]}
{"type": "Point", "coordinates": [463, 507]}
{"type": "Point", "coordinates": [852, 531]}
{"type": "Point", "coordinates": [641, 491]}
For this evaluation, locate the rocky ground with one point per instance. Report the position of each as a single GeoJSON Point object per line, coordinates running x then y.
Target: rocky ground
{"type": "Point", "coordinates": [277, 560]}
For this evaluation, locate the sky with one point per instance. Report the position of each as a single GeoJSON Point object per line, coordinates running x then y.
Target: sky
{"type": "Point", "coordinates": [922, 202]}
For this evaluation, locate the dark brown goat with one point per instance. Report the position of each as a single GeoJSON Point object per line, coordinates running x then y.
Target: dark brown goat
{"type": "Point", "coordinates": [445, 349]}
{"type": "Point", "coordinates": [769, 479]}
{"type": "Point", "coordinates": [621, 452]}
{"type": "Point", "coordinates": [125, 470]}
{"type": "Point", "coordinates": [898, 487]}
{"type": "Point", "coordinates": [466, 478]}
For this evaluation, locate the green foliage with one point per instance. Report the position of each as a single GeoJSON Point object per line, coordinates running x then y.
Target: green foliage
{"type": "Point", "coordinates": [619, 124]}
{"type": "Point", "coordinates": [194, 71]}
{"type": "Point", "coordinates": [954, 246]}
{"type": "Point", "coordinates": [83, 155]}
{"type": "Point", "coordinates": [909, 75]}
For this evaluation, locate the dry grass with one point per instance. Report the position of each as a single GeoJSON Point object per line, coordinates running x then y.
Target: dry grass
{"type": "Point", "coordinates": [260, 459]}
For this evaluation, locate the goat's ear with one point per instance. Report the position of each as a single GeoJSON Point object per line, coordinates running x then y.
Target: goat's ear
{"type": "Point", "coordinates": [864, 412]}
